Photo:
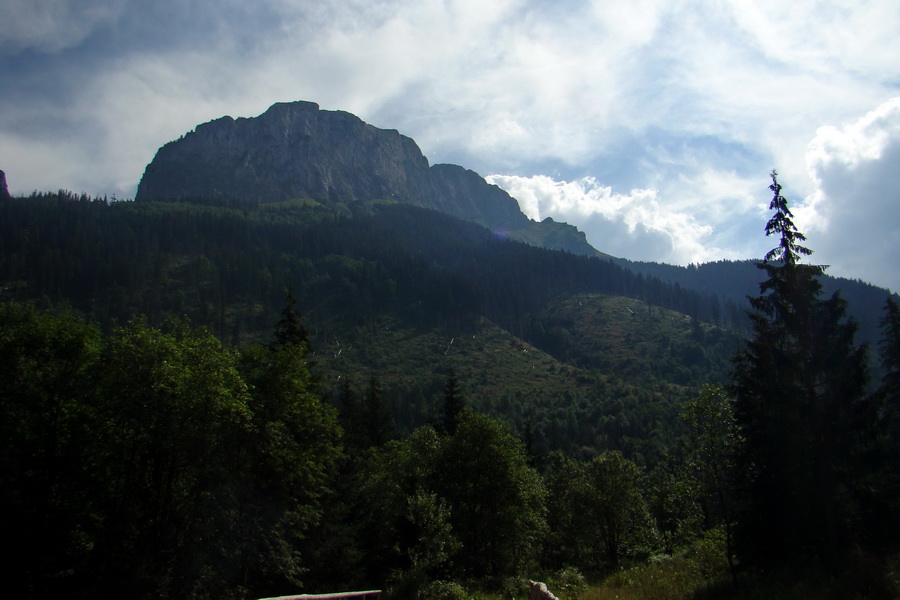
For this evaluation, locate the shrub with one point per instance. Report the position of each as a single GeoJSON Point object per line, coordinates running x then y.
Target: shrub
{"type": "Point", "coordinates": [568, 583]}
{"type": "Point", "coordinates": [443, 590]}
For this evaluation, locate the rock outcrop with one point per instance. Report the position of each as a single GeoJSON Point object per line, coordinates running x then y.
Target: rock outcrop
{"type": "Point", "coordinates": [295, 150]}
{"type": "Point", "coordinates": [4, 189]}
{"type": "Point", "coordinates": [466, 195]}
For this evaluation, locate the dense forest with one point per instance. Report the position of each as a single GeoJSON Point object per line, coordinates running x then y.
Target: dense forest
{"type": "Point", "coordinates": [204, 260]}
{"type": "Point", "coordinates": [398, 291]}
{"type": "Point", "coordinates": [203, 401]}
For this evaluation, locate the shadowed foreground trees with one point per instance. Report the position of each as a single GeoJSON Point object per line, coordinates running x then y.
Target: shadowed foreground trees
{"type": "Point", "coordinates": [496, 499]}
{"type": "Point", "coordinates": [878, 456]}
{"type": "Point", "coordinates": [294, 445]}
{"type": "Point", "coordinates": [711, 446]}
{"type": "Point", "coordinates": [474, 487]}
{"type": "Point", "coordinates": [597, 512]}
{"type": "Point", "coordinates": [145, 464]}
{"type": "Point", "coordinates": [172, 416]}
{"type": "Point", "coordinates": [158, 463]}
{"type": "Point", "coordinates": [47, 375]}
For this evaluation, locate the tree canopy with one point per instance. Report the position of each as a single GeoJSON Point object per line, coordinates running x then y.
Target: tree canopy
{"type": "Point", "coordinates": [149, 462]}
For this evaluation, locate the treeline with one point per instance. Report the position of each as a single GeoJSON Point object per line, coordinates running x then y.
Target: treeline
{"type": "Point", "coordinates": [227, 268]}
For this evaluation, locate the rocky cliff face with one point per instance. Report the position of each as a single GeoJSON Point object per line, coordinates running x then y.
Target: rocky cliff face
{"type": "Point", "coordinates": [296, 150]}
{"type": "Point", "coordinates": [4, 189]}
{"type": "Point", "coordinates": [293, 150]}
{"type": "Point", "coordinates": [466, 195]}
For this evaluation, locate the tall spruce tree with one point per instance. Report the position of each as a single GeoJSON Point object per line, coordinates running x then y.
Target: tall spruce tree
{"type": "Point", "coordinates": [795, 383]}
{"type": "Point", "coordinates": [454, 403]}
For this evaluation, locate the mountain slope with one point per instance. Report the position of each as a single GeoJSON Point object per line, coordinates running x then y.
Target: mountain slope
{"type": "Point", "coordinates": [399, 292]}
{"type": "Point", "coordinates": [733, 281]}
{"type": "Point", "coordinates": [295, 150]}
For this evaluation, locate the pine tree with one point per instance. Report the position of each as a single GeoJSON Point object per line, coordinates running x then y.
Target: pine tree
{"type": "Point", "coordinates": [289, 329]}
{"type": "Point", "coordinates": [348, 409]}
{"type": "Point", "coordinates": [795, 384]}
{"type": "Point", "coordinates": [454, 403]}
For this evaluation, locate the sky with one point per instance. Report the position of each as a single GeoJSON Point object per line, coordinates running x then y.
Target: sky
{"type": "Point", "coordinates": [651, 125]}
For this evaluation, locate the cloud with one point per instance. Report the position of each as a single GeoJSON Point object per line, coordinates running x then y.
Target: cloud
{"type": "Point", "coordinates": [633, 225]}
{"type": "Point", "coordinates": [690, 104]}
{"type": "Point", "coordinates": [853, 216]}
{"type": "Point", "coordinates": [53, 25]}
{"type": "Point", "coordinates": [700, 216]}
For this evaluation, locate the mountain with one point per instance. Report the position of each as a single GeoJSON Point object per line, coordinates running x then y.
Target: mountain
{"type": "Point", "coordinates": [296, 150]}
{"type": "Point", "coordinates": [4, 188]}
{"type": "Point", "coordinates": [399, 272]}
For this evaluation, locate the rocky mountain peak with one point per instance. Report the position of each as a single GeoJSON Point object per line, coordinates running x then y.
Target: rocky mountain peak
{"type": "Point", "coordinates": [297, 150]}
{"type": "Point", "coordinates": [293, 150]}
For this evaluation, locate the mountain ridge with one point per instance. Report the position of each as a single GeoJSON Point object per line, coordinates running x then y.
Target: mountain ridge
{"type": "Point", "coordinates": [297, 150]}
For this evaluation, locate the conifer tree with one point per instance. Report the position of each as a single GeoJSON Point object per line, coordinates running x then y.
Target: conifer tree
{"type": "Point", "coordinates": [289, 329]}
{"type": "Point", "coordinates": [890, 354]}
{"type": "Point", "coordinates": [795, 384]}
{"type": "Point", "coordinates": [878, 458]}
{"type": "Point", "coordinates": [380, 426]}
{"type": "Point", "coordinates": [454, 403]}
{"type": "Point", "coordinates": [348, 412]}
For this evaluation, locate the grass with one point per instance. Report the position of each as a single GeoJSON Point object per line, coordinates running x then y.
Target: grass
{"type": "Point", "coordinates": [679, 579]}
{"type": "Point", "coordinates": [700, 567]}
{"type": "Point", "coordinates": [700, 573]}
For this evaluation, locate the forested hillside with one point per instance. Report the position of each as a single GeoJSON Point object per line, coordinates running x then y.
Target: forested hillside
{"type": "Point", "coordinates": [386, 273]}
{"type": "Point", "coordinates": [209, 401]}
{"type": "Point", "coordinates": [735, 281]}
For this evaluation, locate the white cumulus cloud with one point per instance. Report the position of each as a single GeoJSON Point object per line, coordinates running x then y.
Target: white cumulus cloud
{"type": "Point", "coordinates": [853, 216]}
{"type": "Point", "coordinates": [633, 225]}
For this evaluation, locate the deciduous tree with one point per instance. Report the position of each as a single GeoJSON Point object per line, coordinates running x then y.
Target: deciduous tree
{"type": "Point", "coordinates": [174, 416]}
{"type": "Point", "coordinates": [48, 364]}
{"type": "Point", "coordinates": [712, 443]}
{"type": "Point", "coordinates": [496, 499]}
{"type": "Point", "coordinates": [295, 444]}
{"type": "Point", "coordinates": [616, 508]}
